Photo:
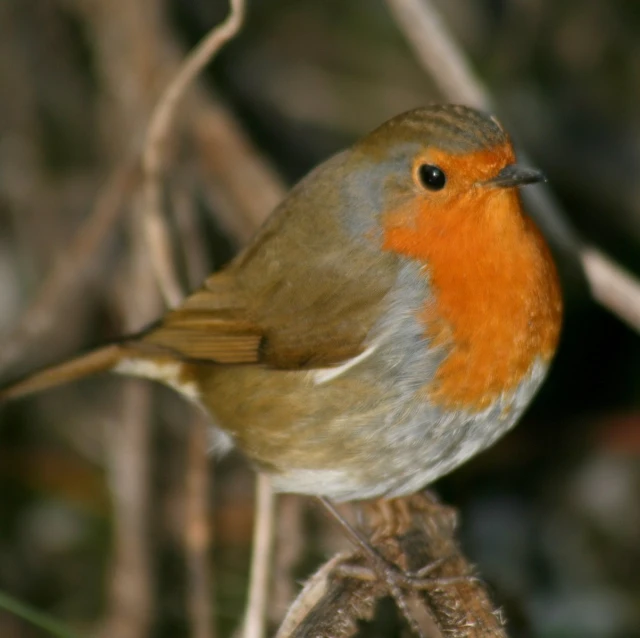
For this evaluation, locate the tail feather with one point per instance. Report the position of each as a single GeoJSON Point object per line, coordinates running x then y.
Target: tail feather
{"type": "Point", "coordinates": [100, 360]}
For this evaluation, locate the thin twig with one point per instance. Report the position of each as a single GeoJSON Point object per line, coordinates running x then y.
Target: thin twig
{"type": "Point", "coordinates": [612, 286]}
{"type": "Point", "coordinates": [154, 152]}
{"type": "Point", "coordinates": [196, 258]}
{"type": "Point", "coordinates": [289, 551]}
{"type": "Point", "coordinates": [200, 599]}
{"type": "Point", "coordinates": [436, 49]}
{"type": "Point", "coordinates": [255, 615]}
{"type": "Point", "coordinates": [132, 599]}
{"type": "Point", "coordinates": [45, 623]}
{"type": "Point", "coordinates": [244, 187]}
{"type": "Point", "coordinates": [438, 52]}
{"type": "Point", "coordinates": [72, 268]}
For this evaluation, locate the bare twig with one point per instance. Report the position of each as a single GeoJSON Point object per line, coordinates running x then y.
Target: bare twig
{"type": "Point", "coordinates": [612, 286]}
{"type": "Point", "coordinates": [440, 55]}
{"type": "Point", "coordinates": [131, 594]}
{"type": "Point", "coordinates": [244, 187]}
{"type": "Point", "coordinates": [154, 152]}
{"type": "Point", "coordinates": [129, 599]}
{"type": "Point", "coordinates": [196, 258]}
{"type": "Point", "coordinates": [72, 268]}
{"type": "Point", "coordinates": [200, 597]}
{"type": "Point", "coordinates": [438, 52]}
{"type": "Point", "coordinates": [255, 615]}
{"type": "Point", "coordinates": [289, 550]}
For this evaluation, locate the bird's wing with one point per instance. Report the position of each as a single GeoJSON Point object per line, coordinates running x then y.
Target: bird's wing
{"type": "Point", "coordinates": [211, 325]}
{"type": "Point", "coordinates": [302, 319]}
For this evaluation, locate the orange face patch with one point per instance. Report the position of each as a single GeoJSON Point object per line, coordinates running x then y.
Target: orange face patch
{"type": "Point", "coordinates": [496, 303]}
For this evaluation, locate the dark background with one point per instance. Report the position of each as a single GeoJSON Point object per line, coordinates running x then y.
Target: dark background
{"type": "Point", "coordinates": [551, 514]}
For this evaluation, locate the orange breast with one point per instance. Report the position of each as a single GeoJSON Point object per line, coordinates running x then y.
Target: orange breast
{"type": "Point", "coordinates": [496, 303]}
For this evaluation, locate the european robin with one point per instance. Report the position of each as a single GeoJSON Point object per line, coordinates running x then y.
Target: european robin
{"type": "Point", "coordinates": [393, 317]}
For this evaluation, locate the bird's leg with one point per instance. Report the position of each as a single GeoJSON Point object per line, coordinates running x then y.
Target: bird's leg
{"type": "Point", "coordinates": [417, 579]}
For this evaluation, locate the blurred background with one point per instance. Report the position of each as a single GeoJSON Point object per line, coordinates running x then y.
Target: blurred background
{"type": "Point", "coordinates": [104, 492]}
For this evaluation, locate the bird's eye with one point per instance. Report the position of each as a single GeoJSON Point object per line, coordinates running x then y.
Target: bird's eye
{"type": "Point", "coordinates": [431, 177]}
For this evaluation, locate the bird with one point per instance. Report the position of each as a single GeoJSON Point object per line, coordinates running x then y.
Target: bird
{"type": "Point", "coordinates": [393, 317]}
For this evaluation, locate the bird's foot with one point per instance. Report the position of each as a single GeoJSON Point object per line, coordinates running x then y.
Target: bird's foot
{"type": "Point", "coordinates": [401, 584]}
{"type": "Point", "coordinates": [395, 577]}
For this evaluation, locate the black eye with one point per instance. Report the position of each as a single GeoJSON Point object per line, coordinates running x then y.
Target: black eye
{"type": "Point", "coordinates": [431, 177]}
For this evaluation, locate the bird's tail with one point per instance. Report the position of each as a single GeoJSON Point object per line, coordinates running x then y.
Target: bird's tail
{"type": "Point", "coordinates": [100, 360]}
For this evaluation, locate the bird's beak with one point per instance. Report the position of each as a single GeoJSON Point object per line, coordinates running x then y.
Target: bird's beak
{"type": "Point", "coordinates": [514, 175]}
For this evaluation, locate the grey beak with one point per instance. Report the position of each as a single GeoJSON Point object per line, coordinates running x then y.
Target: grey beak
{"type": "Point", "coordinates": [514, 175]}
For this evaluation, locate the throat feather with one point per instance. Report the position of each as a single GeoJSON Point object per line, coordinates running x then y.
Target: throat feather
{"type": "Point", "coordinates": [495, 307]}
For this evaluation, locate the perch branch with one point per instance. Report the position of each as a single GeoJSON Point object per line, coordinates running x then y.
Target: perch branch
{"type": "Point", "coordinates": [345, 592]}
